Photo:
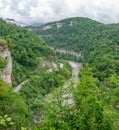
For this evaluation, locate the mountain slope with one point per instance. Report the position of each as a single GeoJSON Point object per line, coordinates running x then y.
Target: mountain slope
{"type": "Point", "coordinates": [97, 42]}
{"type": "Point", "coordinates": [27, 50]}
{"type": "Point", "coordinates": [37, 69]}
{"type": "Point", "coordinates": [32, 61]}
{"type": "Point", "coordinates": [96, 96]}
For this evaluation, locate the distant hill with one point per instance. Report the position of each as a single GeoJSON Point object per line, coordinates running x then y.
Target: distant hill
{"type": "Point", "coordinates": [98, 43]}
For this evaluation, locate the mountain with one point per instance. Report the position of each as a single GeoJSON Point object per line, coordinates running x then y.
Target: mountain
{"type": "Point", "coordinates": [98, 43]}
{"type": "Point", "coordinates": [45, 91]}
{"type": "Point", "coordinates": [96, 95]}
{"type": "Point", "coordinates": [29, 69]}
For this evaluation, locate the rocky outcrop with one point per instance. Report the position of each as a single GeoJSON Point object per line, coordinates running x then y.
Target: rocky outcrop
{"type": "Point", "coordinates": [6, 72]}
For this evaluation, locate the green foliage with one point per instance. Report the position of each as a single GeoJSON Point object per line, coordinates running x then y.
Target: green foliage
{"type": "Point", "coordinates": [3, 45]}
{"type": "Point", "coordinates": [29, 52]}
{"type": "Point", "coordinates": [96, 97]}
{"type": "Point", "coordinates": [26, 48]}
{"type": "Point", "coordinates": [4, 89]}
{"type": "Point", "coordinates": [14, 106]}
{"type": "Point", "coordinates": [3, 62]}
{"type": "Point", "coordinates": [41, 84]}
{"type": "Point", "coordinates": [89, 111]}
{"type": "Point", "coordinates": [97, 42]}
{"type": "Point", "coordinates": [96, 102]}
{"type": "Point", "coordinates": [2, 42]}
{"type": "Point", "coordinates": [23, 128]}
{"type": "Point", "coordinates": [5, 121]}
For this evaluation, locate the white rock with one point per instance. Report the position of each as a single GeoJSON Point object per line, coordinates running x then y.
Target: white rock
{"type": "Point", "coordinates": [5, 74]}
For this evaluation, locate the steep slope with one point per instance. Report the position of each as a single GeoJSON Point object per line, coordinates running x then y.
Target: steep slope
{"type": "Point", "coordinates": [13, 110]}
{"type": "Point", "coordinates": [37, 71]}
{"type": "Point", "coordinates": [6, 72]}
{"type": "Point", "coordinates": [96, 95]}
{"type": "Point", "coordinates": [26, 61]}
{"type": "Point", "coordinates": [98, 43]}
{"type": "Point", "coordinates": [28, 51]}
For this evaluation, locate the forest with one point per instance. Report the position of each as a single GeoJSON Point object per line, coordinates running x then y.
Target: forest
{"type": "Point", "coordinates": [32, 59]}
{"type": "Point", "coordinates": [98, 44]}
{"type": "Point", "coordinates": [39, 105]}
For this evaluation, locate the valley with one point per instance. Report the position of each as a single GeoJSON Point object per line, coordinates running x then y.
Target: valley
{"type": "Point", "coordinates": [74, 79]}
{"type": "Point", "coordinates": [62, 75]}
{"type": "Point", "coordinates": [68, 96]}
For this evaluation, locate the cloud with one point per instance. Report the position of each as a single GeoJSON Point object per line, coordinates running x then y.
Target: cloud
{"type": "Point", "coordinates": [38, 11]}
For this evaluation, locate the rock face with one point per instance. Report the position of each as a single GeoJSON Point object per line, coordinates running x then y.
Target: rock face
{"type": "Point", "coordinates": [5, 73]}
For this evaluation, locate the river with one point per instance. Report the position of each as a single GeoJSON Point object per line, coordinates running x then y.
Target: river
{"type": "Point", "coordinates": [67, 96]}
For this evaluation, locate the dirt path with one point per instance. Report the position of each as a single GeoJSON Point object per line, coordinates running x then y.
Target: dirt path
{"type": "Point", "coordinates": [19, 87]}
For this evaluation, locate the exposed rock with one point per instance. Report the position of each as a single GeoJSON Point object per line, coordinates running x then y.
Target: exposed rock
{"type": "Point", "coordinates": [59, 25]}
{"type": "Point", "coordinates": [47, 27]}
{"type": "Point", "coordinates": [71, 23]}
{"type": "Point", "coordinates": [6, 72]}
{"type": "Point", "coordinates": [67, 52]}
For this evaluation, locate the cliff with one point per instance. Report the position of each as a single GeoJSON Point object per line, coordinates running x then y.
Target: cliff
{"type": "Point", "coordinates": [5, 73]}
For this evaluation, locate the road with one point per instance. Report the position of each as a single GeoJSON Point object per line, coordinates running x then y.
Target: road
{"type": "Point", "coordinates": [19, 87]}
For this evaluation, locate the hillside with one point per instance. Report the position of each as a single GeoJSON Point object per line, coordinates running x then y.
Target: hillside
{"type": "Point", "coordinates": [97, 42]}
{"type": "Point", "coordinates": [26, 60]}
{"type": "Point", "coordinates": [45, 91]}
{"type": "Point", "coordinates": [26, 50]}
{"type": "Point", "coordinates": [96, 95]}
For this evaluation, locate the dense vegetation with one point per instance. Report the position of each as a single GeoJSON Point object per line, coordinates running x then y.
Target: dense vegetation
{"type": "Point", "coordinates": [27, 50]}
{"type": "Point", "coordinates": [92, 109]}
{"type": "Point", "coordinates": [40, 85]}
{"type": "Point", "coordinates": [33, 63]}
{"type": "Point", "coordinates": [39, 105]}
{"type": "Point", "coordinates": [97, 42]}
{"type": "Point", "coordinates": [68, 56]}
{"type": "Point", "coordinates": [3, 61]}
{"type": "Point", "coordinates": [96, 98]}
{"type": "Point", "coordinates": [14, 106]}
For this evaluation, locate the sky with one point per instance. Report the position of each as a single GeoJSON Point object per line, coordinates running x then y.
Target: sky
{"type": "Point", "coordinates": [43, 11]}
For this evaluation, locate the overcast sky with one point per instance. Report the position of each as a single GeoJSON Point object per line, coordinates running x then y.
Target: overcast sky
{"type": "Point", "coordinates": [39, 11]}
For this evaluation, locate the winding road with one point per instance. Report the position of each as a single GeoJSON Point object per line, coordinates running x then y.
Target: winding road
{"type": "Point", "coordinates": [19, 87]}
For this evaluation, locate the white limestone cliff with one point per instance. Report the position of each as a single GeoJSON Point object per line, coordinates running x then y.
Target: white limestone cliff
{"type": "Point", "coordinates": [6, 72]}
